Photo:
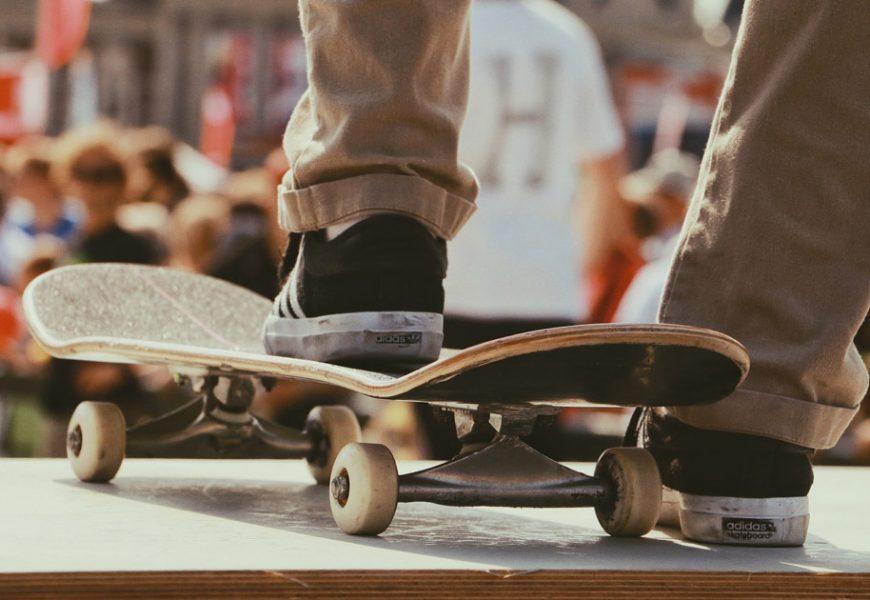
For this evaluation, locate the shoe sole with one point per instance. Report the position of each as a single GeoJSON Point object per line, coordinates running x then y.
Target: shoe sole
{"type": "Point", "coordinates": [737, 521]}
{"type": "Point", "coordinates": [669, 514]}
{"type": "Point", "coordinates": [362, 337]}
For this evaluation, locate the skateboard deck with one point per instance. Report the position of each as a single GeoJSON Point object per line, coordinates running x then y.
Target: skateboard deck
{"type": "Point", "coordinates": [198, 324]}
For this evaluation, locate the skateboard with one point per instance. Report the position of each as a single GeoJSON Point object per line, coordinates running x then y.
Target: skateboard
{"type": "Point", "coordinates": [209, 333]}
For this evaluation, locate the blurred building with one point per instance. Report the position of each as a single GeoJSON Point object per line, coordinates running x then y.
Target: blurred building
{"type": "Point", "coordinates": [153, 61]}
{"type": "Point", "coordinates": [668, 59]}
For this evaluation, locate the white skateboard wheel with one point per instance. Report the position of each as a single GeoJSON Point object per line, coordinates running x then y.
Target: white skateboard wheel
{"type": "Point", "coordinates": [364, 489]}
{"type": "Point", "coordinates": [338, 427]}
{"type": "Point", "coordinates": [637, 487]}
{"type": "Point", "coordinates": [96, 440]}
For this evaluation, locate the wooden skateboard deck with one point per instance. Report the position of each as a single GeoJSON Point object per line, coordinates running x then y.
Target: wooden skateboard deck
{"type": "Point", "coordinates": [195, 323]}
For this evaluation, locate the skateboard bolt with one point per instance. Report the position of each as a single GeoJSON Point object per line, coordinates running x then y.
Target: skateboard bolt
{"type": "Point", "coordinates": [74, 441]}
{"type": "Point", "coordinates": [339, 487]}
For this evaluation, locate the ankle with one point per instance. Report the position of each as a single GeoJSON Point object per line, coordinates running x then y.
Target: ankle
{"type": "Point", "coordinates": [333, 231]}
{"type": "Point", "coordinates": [717, 463]}
{"type": "Point", "coordinates": [336, 229]}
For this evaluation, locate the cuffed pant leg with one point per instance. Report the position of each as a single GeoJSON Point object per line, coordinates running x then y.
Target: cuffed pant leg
{"type": "Point", "coordinates": [776, 247]}
{"type": "Point", "coordinates": [378, 128]}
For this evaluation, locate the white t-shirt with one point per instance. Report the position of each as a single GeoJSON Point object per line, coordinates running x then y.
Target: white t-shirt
{"type": "Point", "coordinates": [539, 105]}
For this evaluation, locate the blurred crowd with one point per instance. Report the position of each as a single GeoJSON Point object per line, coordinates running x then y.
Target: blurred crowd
{"type": "Point", "coordinates": [123, 195]}
{"type": "Point", "coordinates": [103, 194]}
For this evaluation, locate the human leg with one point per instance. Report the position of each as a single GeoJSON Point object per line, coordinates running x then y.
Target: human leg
{"type": "Point", "coordinates": [377, 130]}
{"type": "Point", "coordinates": [373, 150]}
{"type": "Point", "coordinates": [775, 252]}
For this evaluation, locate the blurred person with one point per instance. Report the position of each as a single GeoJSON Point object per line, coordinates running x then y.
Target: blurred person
{"type": "Point", "coordinates": [256, 187]}
{"type": "Point", "coordinates": [11, 328]}
{"type": "Point", "coordinates": [96, 174]}
{"type": "Point", "coordinates": [661, 190]}
{"type": "Point", "coordinates": [774, 250]}
{"type": "Point", "coordinates": [147, 219]}
{"type": "Point", "coordinates": [195, 229]}
{"type": "Point", "coordinates": [276, 165]}
{"type": "Point", "coordinates": [396, 426]}
{"type": "Point", "coordinates": [22, 360]}
{"type": "Point", "coordinates": [22, 355]}
{"type": "Point", "coordinates": [38, 207]}
{"type": "Point", "coordinates": [44, 255]}
{"type": "Point", "coordinates": [153, 174]}
{"type": "Point", "coordinates": [10, 322]}
{"type": "Point", "coordinates": [91, 166]}
{"type": "Point", "coordinates": [543, 136]}
{"type": "Point", "coordinates": [251, 247]}
{"type": "Point", "coordinates": [216, 236]}
{"type": "Point", "coordinates": [544, 139]}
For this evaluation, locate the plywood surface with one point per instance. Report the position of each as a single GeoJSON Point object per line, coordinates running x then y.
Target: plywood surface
{"type": "Point", "coordinates": [183, 529]}
{"type": "Point", "coordinates": [186, 515]}
{"type": "Point", "coordinates": [459, 585]}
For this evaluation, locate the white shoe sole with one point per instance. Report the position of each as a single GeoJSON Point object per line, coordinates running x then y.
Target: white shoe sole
{"type": "Point", "coordinates": [737, 521]}
{"type": "Point", "coordinates": [413, 337]}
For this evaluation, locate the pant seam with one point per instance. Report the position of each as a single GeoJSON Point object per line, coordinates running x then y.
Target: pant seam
{"type": "Point", "coordinates": [794, 399]}
{"type": "Point", "coordinates": [298, 208]}
{"type": "Point", "coordinates": [801, 422]}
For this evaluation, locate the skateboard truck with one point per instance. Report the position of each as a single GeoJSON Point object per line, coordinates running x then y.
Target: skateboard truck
{"type": "Point", "coordinates": [499, 471]}
{"type": "Point", "coordinates": [496, 468]}
{"type": "Point", "coordinates": [223, 427]}
{"type": "Point", "coordinates": [217, 423]}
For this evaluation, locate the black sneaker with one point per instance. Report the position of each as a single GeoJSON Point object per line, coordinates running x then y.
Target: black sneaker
{"type": "Point", "coordinates": [373, 295]}
{"type": "Point", "coordinates": [727, 488]}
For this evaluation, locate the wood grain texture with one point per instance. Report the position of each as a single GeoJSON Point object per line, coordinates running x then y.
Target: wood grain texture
{"type": "Point", "coordinates": [265, 515]}
{"type": "Point", "coordinates": [434, 584]}
{"type": "Point", "coordinates": [130, 313]}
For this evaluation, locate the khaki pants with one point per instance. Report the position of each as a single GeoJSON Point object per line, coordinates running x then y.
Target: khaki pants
{"type": "Point", "coordinates": [378, 129]}
{"type": "Point", "coordinates": [776, 248]}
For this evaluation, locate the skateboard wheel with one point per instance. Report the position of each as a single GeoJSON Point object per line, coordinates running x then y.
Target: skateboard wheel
{"type": "Point", "coordinates": [96, 440]}
{"type": "Point", "coordinates": [364, 489]}
{"type": "Point", "coordinates": [637, 487]}
{"type": "Point", "coordinates": [333, 427]}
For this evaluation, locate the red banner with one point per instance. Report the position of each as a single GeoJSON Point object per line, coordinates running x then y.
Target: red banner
{"type": "Point", "coordinates": [23, 95]}
{"type": "Point", "coordinates": [61, 29]}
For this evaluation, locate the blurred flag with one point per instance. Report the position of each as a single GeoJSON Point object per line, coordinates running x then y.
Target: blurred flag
{"type": "Point", "coordinates": [11, 329]}
{"type": "Point", "coordinates": [61, 29]}
{"type": "Point", "coordinates": [23, 95]}
{"type": "Point", "coordinates": [218, 125]}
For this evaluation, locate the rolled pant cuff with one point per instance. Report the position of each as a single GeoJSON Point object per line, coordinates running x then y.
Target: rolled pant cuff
{"type": "Point", "coordinates": [318, 206]}
{"type": "Point", "coordinates": [783, 418]}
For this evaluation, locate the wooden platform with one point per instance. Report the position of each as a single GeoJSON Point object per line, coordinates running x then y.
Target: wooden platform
{"type": "Point", "coordinates": [260, 528]}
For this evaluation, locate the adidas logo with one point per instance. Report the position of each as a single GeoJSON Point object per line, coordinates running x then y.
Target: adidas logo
{"type": "Point", "coordinates": [748, 529]}
{"type": "Point", "coordinates": [404, 339]}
